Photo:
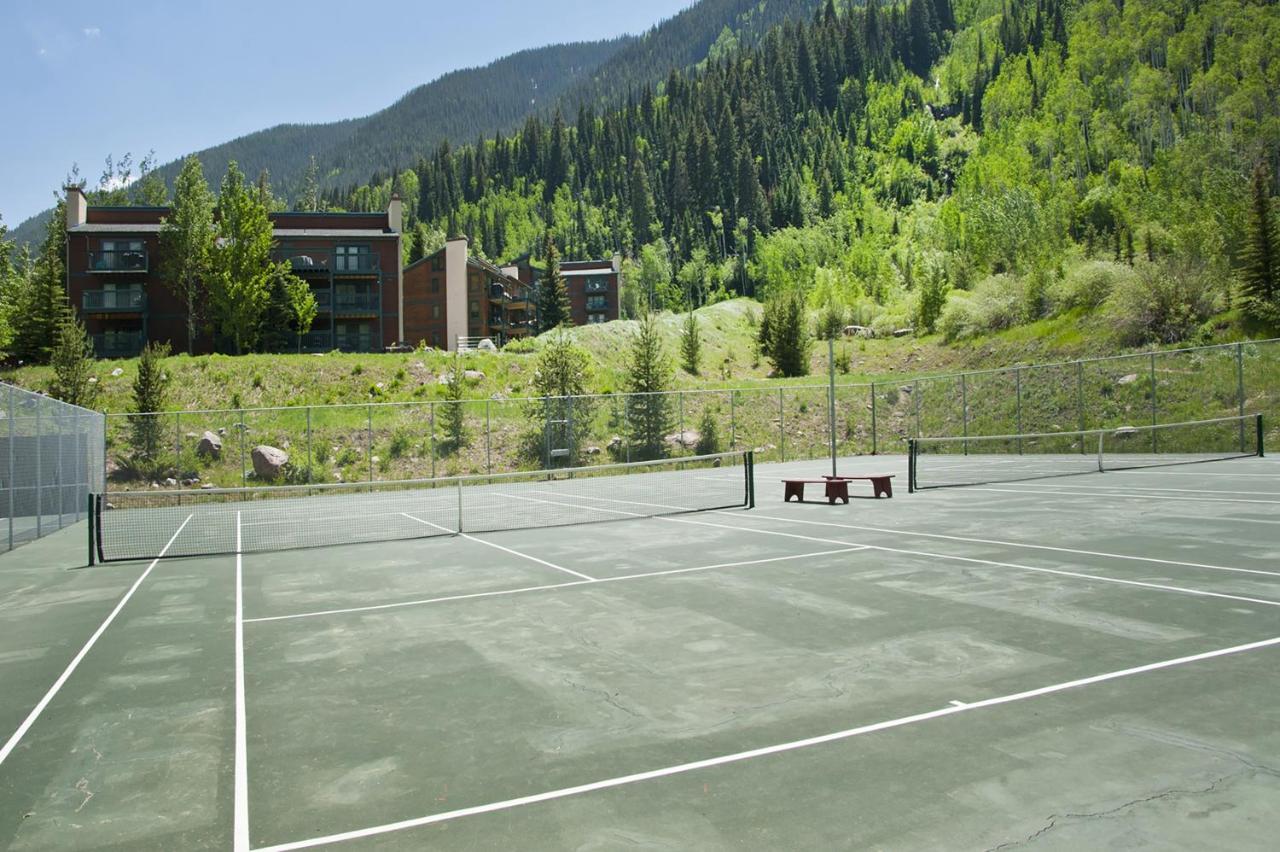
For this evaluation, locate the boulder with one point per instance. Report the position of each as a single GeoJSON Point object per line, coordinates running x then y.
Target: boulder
{"type": "Point", "coordinates": [902, 332]}
{"type": "Point", "coordinates": [615, 442]}
{"type": "Point", "coordinates": [208, 486]}
{"type": "Point", "coordinates": [210, 446]}
{"type": "Point", "coordinates": [269, 462]}
{"type": "Point", "coordinates": [472, 375]}
{"type": "Point", "coordinates": [593, 451]}
{"type": "Point", "coordinates": [1127, 380]}
{"type": "Point", "coordinates": [117, 372]}
{"type": "Point", "coordinates": [687, 438]}
{"type": "Point", "coordinates": [486, 345]}
{"type": "Point", "coordinates": [171, 483]}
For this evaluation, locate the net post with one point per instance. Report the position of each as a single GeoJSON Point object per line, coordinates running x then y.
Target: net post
{"type": "Point", "coordinates": [1257, 423]}
{"type": "Point", "coordinates": [97, 526]}
{"type": "Point", "coordinates": [911, 465]}
{"type": "Point", "coordinates": [750, 469]}
{"type": "Point", "coordinates": [91, 525]}
{"type": "Point", "coordinates": [458, 481]}
{"type": "Point", "coordinates": [1101, 436]}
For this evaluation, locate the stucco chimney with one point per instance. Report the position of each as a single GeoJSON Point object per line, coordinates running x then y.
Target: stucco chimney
{"type": "Point", "coordinates": [395, 213]}
{"type": "Point", "coordinates": [77, 206]}
{"type": "Point", "coordinates": [617, 262]}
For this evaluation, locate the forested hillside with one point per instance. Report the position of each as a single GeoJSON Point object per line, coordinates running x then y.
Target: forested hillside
{"type": "Point", "coordinates": [965, 168]}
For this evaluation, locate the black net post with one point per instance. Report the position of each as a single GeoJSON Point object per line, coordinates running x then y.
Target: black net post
{"type": "Point", "coordinates": [92, 516]}
{"type": "Point", "coordinates": [912, 448]}
{"type": "Point", "coordinates": [750, 471]}
{"type": "Point", "coordinates": [1261, 433]}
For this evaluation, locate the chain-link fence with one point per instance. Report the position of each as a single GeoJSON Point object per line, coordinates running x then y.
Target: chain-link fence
{"type": "Point", "coordinates": [51, 459]}
{"type": "Point", "coordinates": [413, 440]}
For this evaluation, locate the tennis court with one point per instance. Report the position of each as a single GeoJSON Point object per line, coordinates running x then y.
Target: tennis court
{"type": "Point", "coordinates": [1067, 662]}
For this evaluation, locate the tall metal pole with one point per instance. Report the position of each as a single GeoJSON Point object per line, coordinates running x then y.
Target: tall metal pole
{"type": "Point", "coordinates": [733, 420]}
{"type": "Point", "coordinates": [1155, 445]}
{"type": "Point", "coordinates": [831, 399]}
{"type": "Point", "coordinates": [431, 408]}
{"type": "Point", "coordinates": [1240, 390]}
{"type": "Point", "coordinates": [1017, 380]}
{"type": "Point", "coordinates": [368, 440]}
{"type": "Point", "coordinates": [488, 458]}
{"type": "Point", "coordinates": [39, 472]}
{"type": "Point", "coordinates": [782, 429]}
{"type": "Point", "coordinates": [964, 411]}
{"type": "Point", "coordinates": [241, 429]}
{"type": "Point", "coordinates": [874, 447]}
{"type": "Point", "coordinates": [1080, 403]}
{"type": "Point", "coordinates": [310, 458]}
{"type": "Point", "coordinates": [9, 481]}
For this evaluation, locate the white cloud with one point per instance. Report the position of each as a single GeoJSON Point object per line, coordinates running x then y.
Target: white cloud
{"type": "Point", "coordinates": [92, 32]}
{"type": "Point", "coordinates": [42, 52]}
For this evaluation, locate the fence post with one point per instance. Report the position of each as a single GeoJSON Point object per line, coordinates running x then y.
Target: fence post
{"type": "Point", "coordinates": [680, 405]}
{"type": "Point", "coordinates": [915, 401]}
{"type": "Point", "coordinates": [1240, 390]}
{"type": "Point", "coordinates": [431, 417]}
{"type": "Point", "coordinates": [1080, 403]}
{"type": "Point", "coordinates": [39, 474]}
{"type": "Point", "coordinates": [177, 444]}
{"type": "Point", "coordinates": [368, 438]}
{"type": "Point", "coordinates": [240, 427]}
{"type": "Point", "coordinates": [874, 448]}
{"type": "Point", "coordinates": [1017, 390]}
{"type": "Point", "coordinates": [964, 412]}
{"type": "Point", "coordinates": [310, 457]}
{"type": "Point", "coordinates": [9, 483]}
{"type": "Point", "coordinates": [733, 420]}
{"type": "Point", "coordinates": [782, 429]}
{"type": "Point", "coordinates": [488, 458]}
{"type": "Point", "coordinates": [1154, 440]}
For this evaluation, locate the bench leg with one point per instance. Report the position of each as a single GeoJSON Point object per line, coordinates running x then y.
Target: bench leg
{"type": "Point", "coordinates": [837, 490]}
{"type": "Point", "coordinates": [882, 486]}
{"type": "Point", "coordinates": [794, 489]}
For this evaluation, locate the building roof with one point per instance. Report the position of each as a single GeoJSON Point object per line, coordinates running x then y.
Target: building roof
{"type": "Point", "coordinates": [576, 273]}
{"type": "Point", "coordinates": [115, 228]}
{"type": "Point", "coordinates": [364, 233]}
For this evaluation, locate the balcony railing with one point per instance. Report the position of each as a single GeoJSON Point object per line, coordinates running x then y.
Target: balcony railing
{"type": "Point", "coordinates": [106, 301]}
{"type": "Point", "coordinates": [353, 342]}
{"type": "Point", "coordinates": [355, 302]}
{"type": "Point", "coordinates": [118, 260]}
{"type": "Point", "coordinates": [356, 264]}
{"type": "Point", "coordinates": [317, 341]}
{"type": "Point", "coordinates": [324, 299]}
{"type": "Point", "coordinates": [303, 260]}
{"type": "Point", "coordinates": [119, 344]}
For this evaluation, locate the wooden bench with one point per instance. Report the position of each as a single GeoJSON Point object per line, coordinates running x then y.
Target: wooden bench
{"type": "Point", "coordinates": [837, 487]}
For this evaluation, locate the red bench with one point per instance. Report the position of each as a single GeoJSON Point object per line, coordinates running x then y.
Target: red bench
{"type": "Point", "coordinates": [837, 487]}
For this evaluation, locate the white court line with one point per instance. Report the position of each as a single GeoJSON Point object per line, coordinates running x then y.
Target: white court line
{"type": "Point", "coordinates": [546, 587]}
{"type": "Point", "coordinates": [562, 569]}
{"type": "Point", "coordinates": [1146, 472]}
{"type": "Point", "coordinates": [75, 662]}
{"type": "Point", "coordinates": [1019, 544]}
{"type": "Point", "coordinates": [1091, 491]}
{"type": "Point", "coordinates": [1056, 571]}
{"type": "Point", "coordinates": [241, 802]}
{"type": "Point", "coordinates": [738, 757]}
{"type": "Point", "coordinates": [1178, 490]}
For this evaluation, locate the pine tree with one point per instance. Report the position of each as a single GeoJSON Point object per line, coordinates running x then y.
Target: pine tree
{"type": "Point", "coordinates": [561, 382]}
{"type": "Point", "coordinates": [40, 300]}
{"type": "Point", "coordinates": [453, 412]}
{"type": "Point", "coordinates": [690, 344]}
{"type": "Point", "coordinates": [72, 362]}
{"type": "Point", "coordinates": [553, 295]}
{"type": "Point", "coordinates": [186, 243]}
{"type": "Point", "coordinates": [648, 407]}
{"type": "Point", "coordinates": [787, 347]}
{"type": "Point", "coordinates": [1260, 257]}
{"type": "Point", "coordinates": [150, 389]}
{"type": "Point", "coordinates": [309, 195]}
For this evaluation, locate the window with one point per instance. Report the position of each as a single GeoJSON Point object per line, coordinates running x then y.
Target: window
{"type": "Point", "coordinates": [437, 263]}
{"type": "Point", "coordinates": [352, 259]}
{"type": "Point", "coordinates": [596, 303]}
{"type": "Point", "coordinates": [595, 318]}
{"type": "Point", "coordinates": [596, 284]}
{"type": "Point", "coordinates": [121, 255]}
{"type": "Point", "coordinates": [475, 310]}
{"type": "Point", "coordinates": [435, 284]}
{"type": "Point", "coordinates": [435, 312]}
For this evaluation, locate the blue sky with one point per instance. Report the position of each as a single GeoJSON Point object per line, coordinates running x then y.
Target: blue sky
{"type": "Point", "coordinates": [81, 80]}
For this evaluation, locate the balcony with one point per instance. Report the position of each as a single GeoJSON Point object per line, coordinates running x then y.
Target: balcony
{"type": "Point", "coordinates": [303, 260]}
{"type": "Point", "coordinates": [119, 344]}
{"type": "Point", "coordinates": [324, 299]}
{"type": "Point", "coordinates": [118, 260]}
{"type": "Point", "coordinates": [356, 264]}
{"type": "Point", "coordinates": [113, 301]}
{"type": "Point", "coordinates": [356, 303]}
{"type": "Point", "coordinates": [317, 341]}
{"type": "Point", "coordinates": [353, 342]}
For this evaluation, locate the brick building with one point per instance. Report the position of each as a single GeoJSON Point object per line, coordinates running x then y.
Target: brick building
{"type": "Point", "coordinates": [452, 295]}
{"type": "Point", "coordinates": [351, 261]}
{"type": "Point", "coordinates": [593, 286]}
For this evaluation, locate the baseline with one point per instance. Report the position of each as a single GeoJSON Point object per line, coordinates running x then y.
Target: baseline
{"type": "Point", "coordinates": [738, 757]}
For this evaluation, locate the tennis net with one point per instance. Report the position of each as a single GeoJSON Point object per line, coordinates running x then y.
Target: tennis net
{"type": "Point", "coordinates": [130, 525]}
{"type": "Point", "coordinates": [986, 459]}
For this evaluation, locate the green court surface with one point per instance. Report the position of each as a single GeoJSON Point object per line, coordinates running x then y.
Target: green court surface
{"type": "Point", "coordinates": [1084, 662]}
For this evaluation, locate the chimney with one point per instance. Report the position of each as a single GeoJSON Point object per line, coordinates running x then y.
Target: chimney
{"type": "Point", "coordinates": [77, 206]}
{"type": "Point", "coordinates": [395, 213]}
{"type": "Point", "coordinates": [617, 262]}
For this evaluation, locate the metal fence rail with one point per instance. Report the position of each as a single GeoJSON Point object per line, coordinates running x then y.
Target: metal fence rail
{"type": "Point", "coordinates": [413, 440]}
{"type": "Point", "coordinates": [51, 458]}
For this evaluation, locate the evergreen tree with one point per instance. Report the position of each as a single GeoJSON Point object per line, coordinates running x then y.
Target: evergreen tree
{"type": "Point", "coordinates": [72, 361]}
{"type": "Point", "coordinates": [418, 244]}
{"type": "Point", "coordinates": [1260, 257]}
{"type": "Point", "coordinates": [40, 300]}
{"type": "Point", "coordinates": [787, 347]}
{"type": "Point", "coordinates": [648, 408]}
{"type": "Point", "coordinates": [150, 389]}
{"type": "Point", "coordinates": [561, 382]}
{"type": "Point", "coordinates": [309, 196]}
{"type": "Point", "coordinates": [690, 344]}
{"type": "Point", "coordinates": [643, 211]}
{"type": "Point", "coordinates": [553, 295]}
{"type": "Point", "coordinates": [452, 412]}
{"type": "Point", "coordinates": [708, 434]}
{"type": "Point", "coordinates": [8, 288]}
{"type": "Point", "coordinates": [241, 263]}
{"type": "Point", "coordinates": [186, 243]}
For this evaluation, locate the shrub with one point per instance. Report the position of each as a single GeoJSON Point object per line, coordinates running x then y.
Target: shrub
{"type": "Point", "coordinates": [401, 441]}
{"type": "Point", "coordinates": [708, 434]}
{"type": "Point", "coordinates": [521, 346]}
{"type": "Point", "coordinates": [1088, 285]}
{"type": "Point", "coordinates": [1163, 303]}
